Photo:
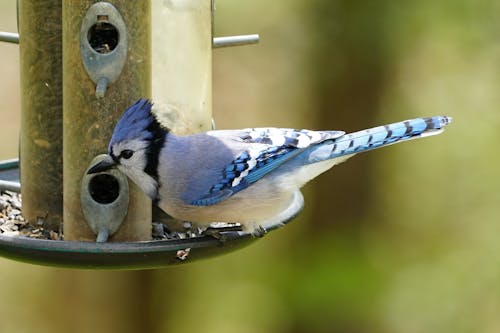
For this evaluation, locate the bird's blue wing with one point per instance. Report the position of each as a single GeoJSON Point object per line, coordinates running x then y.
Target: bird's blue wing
{"type": "Point", "coordinates": [268, 148]}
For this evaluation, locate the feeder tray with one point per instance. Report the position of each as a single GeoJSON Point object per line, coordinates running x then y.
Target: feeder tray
{"type": "Point", "coordinates": [122, 255]}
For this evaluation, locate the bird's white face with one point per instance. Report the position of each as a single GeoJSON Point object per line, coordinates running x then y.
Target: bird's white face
{"type": "Point", "coordinates": [131, 158]}
{"type": "Point", "coordinates": [130, 154]}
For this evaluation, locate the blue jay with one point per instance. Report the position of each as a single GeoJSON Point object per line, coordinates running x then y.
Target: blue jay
{"type": "Point", "coordinates": [249, 176]}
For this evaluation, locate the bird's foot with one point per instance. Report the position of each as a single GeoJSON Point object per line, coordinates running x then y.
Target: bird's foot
{"type": "Point", "coordinates": [259, 232]}
{"type": "Point", "coordinates": [220, 233]}
{"type": "Point", "coordinates": [215, 233]}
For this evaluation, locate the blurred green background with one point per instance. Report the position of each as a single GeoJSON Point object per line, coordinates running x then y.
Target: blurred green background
{"type": "Point", "coordinates": [404, 239]}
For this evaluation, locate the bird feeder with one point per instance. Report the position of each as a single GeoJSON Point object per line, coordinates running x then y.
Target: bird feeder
{"type": "Point", "coordinates": [82, 63]}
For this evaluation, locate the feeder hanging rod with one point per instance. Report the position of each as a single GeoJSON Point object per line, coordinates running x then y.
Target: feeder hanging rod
{"type": "Point", "coordinates": [218, 42]}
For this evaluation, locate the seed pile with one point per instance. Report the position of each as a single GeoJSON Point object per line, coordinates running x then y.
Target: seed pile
{"type": "Point", "coordinates": [12, 223]}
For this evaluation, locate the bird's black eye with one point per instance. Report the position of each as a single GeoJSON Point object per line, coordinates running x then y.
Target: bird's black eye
{"type": "Point", "coordinates": [126, 154]}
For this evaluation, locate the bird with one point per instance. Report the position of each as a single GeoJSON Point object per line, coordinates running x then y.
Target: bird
{"type": "Point", "coordinates": [248, 176]}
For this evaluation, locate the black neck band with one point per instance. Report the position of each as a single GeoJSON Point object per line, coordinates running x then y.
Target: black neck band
{"type": "Point", "coordinates": [154, 149]}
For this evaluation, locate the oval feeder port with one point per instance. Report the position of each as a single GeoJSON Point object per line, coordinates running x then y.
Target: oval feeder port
{"type": "Point", "coordinates": [103, 45]}
{"type": "Point", "coordinates": [125, 255]}
{"type": "Point", "coordinates": [104, 197]}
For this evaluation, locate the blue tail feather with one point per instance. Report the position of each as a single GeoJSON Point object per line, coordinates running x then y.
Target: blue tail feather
{"type": "Point", "coordinates": [388, 134]}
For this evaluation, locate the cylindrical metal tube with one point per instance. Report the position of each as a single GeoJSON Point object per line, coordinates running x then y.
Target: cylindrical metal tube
{"type": "Point", "coordinates": [182, 64]}
{"type": "Point", "coordinates": [9, 37]}
{"type": "Point", "coordinates": [89, 121]}
{"type": "Point", "coordinates": [41, 108]}
{"type": "Point", "coordinates": [228, 41]}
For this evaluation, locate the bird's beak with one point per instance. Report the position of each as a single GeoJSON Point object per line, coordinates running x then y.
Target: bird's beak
{"type": "Point", "coordinates": [104, 165]}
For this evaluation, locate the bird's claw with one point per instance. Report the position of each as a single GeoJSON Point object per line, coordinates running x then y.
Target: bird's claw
{"type": "Point", "coordinates": [216, 233]}
{"type": "Point", "coordinates": [259, 232]}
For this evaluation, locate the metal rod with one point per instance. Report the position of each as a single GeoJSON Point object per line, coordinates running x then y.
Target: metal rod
{"type": "Point", "coordinates": [235, 40]}
{"type": "Point", "coordinates": [9, 37]}
{"type": "Point", "coordinates": [10, 186]}
{"type": "Point", "coordinates": [218, 42]}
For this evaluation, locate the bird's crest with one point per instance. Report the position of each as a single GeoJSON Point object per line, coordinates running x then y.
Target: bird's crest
{"type": "Point", "coordinates": [137, 123]}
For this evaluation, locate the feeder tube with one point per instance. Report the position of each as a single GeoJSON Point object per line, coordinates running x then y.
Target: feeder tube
{"type": "Point", "coordinates": [89, 118]}
{"type": "Point", "coordinates": [40, 49]}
